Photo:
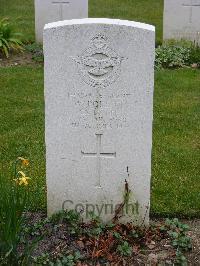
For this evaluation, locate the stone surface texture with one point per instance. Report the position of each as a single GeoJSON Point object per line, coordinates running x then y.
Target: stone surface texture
{"type": "Point", "coordinates": [47, 11]}
{"type": "Point", "coordinates": [182, 20]}
{"type": "Point", "coordinates": [99, 76]}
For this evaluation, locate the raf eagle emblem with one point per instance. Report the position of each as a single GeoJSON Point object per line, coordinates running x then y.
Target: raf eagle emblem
{"type": "Point", "coordinates": [99, 65]}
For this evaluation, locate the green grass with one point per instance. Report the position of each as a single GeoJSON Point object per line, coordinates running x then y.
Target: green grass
{"type": "Point", "coordinates": [21, 13]}
{"type": "Point", "coordinates": [176, 156]}
{"type": "Point", "coordinates": [22, 124]}
{"type": "Point", "coordinates": [176, 145]}
{"type": "Point", "coordinates": [147, 11]}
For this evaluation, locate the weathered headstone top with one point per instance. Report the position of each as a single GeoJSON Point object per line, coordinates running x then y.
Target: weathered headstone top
{"type": "Point", "coordinates": [182, 20]}
{"type": "Point", "coordinates": [47, 11]}
{"type": "Point", "coordinates": [99, 102]}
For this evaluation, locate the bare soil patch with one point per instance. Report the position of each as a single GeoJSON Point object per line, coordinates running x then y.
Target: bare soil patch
{"type": "Point", "coordinates": [18, 59]}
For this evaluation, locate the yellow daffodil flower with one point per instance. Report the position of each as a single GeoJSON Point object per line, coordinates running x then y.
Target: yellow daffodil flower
{"type": "Point", "coordinates": [25, 162]}
{"type": "Point", "coordinates": [23, 180]}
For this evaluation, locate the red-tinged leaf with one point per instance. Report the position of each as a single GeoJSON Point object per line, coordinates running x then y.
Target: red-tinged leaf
{"type": "Point", "coordinates": [97, 254]}
{"type": "Point", "coordinates": [88, 243]}
{"type": "Point", "coordinates": [109, 257]}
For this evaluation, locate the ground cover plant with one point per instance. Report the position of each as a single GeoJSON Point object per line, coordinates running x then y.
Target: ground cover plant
{"type": "Point", "coordinates": [66, 240]}
{"type": "Point", "coordinates": [175, 54]}
{"type": "Point", "coordinates": [36, 52]}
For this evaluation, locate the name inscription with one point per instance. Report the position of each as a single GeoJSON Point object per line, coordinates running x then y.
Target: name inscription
{"type": "Point", "coordinates": [99, 111]}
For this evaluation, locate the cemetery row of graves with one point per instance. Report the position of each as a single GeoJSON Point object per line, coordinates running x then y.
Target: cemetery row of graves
{"type": "Point", "coordinates": [87, 142]}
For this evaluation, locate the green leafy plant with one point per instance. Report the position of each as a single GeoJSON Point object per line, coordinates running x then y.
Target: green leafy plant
{"type": "Point", "coordinates": [71, 218]}
{"type": "Point", "coordinates": [117, 235]}
{"type": "Point", "coordinates": [35, 229]}
{"type": "Point", "coordinates": [62, 260]}
{"type": "Point", "coordinates": [180, 259]}
{"type": "Point", "coordinates": [176, 224]}
{"type": "Point", "coordinates": [69, 260]}
{"type": "Point", "coordinates": [183, 242]}
{"type": "Point", "coordinates": [177, 231]}
{"type": "Point", "coordinates": [172, 56]}
{"type": "Point", "coordinates": [96, 226]}
{"type": "Point", "coordinates": [124, 249]}
{"type": "Point", "coordinates": [36, 51]}
{"type": "Point", "coordinates": [14, 199]}
{"type": "Point", "coordinates": [9, 40]}
{"type": "Point", "coordinates": [43, 259]}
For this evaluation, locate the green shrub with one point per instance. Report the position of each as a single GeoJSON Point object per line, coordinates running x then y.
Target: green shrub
{"type": "Point", "coordinates": [9, 40]}
{"type": "Point", "coordinates": [172, 56]}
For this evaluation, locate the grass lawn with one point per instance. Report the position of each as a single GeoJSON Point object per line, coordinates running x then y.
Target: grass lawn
{"type": "Point", "coordinates": [176, 156]}
{"type": "Point", "coordinates": [21, 13]}
{"type": "Point", "coordinates": [176, 143]}
{"type": "Point", "coordinates": [22, 124]}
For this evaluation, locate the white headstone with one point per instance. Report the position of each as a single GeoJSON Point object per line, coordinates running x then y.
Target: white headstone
{"type": "Point", "coordinates": [99, 101]}
{"type": "Point", "coordinates": [182, 20]}
{"type": "Point", "coordinates": [47, 11]}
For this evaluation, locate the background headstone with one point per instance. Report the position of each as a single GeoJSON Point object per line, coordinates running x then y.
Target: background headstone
{"type": "Point", "coordinates": [182, 20]}
{"type": "Point", "coordinates": [99, 102]}
{"type": "Point", "coordinates": [47, 11]}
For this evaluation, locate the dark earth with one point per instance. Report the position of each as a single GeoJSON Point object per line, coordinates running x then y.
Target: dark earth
{"type": "Point", "coordinates": [151, 248]}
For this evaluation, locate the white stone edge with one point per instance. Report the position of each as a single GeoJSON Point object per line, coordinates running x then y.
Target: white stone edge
{"type": "Point", "coordinates": [99, 21]}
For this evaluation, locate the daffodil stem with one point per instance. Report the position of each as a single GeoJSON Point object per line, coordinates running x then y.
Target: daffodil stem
{"type": "Point", "coordinates": [15, 168]}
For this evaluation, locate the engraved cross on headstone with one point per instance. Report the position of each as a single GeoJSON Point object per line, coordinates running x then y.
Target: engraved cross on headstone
{"type": "Point", "coordinates": [99, 154]}
{"type": "Point", "coordinates": [60, 3]}
{"type": "Point", "coordinates": [191, 6]}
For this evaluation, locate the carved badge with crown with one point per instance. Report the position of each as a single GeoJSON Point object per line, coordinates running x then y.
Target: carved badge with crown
{"type": "Point", "coordinates": [99, 65]}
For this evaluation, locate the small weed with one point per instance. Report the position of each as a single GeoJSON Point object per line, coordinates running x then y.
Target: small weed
{"type": "Point", "coordinates": [70, 260]}
{"type": "Point", "coordinates": [178, 234]}
{"type": "Point", "coordinates": [180, 259]}
{"type": "Point", "coordinates": [71, 218]}
{"type": "Point", "coordinates": [36, 51]}
{"type": "Point", "coordinates": [134, 234]}
{"type": "Point", "coordinates": [117, 235]}
{"type": "Point", "coordinates": [182, 242]}
{"type": "Point", "coordinates": [62, 260]}
{"type": "Point", "coordinates": [43, 259]}
{"type": "Point", "coordinates": [124, 249]}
